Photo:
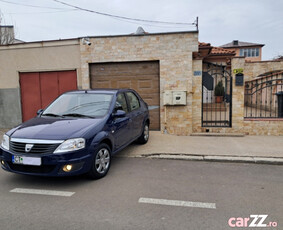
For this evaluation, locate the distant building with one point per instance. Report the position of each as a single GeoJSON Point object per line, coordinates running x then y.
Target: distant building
{"type": "Point", "coordinates": [252, 51]}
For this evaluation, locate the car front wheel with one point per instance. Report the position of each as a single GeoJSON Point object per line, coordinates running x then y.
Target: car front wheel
{"type": "Point", "coordinates": [101, 162]}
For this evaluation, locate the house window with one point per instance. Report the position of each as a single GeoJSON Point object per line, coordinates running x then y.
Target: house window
{"type": "Point", "coordinates": [249, 52]}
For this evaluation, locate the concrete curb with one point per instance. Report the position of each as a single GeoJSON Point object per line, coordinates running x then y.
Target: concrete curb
{"type": "Point", "coordinates": [213, 158]}
{"type": "Point", "coordinates": [217, 135]}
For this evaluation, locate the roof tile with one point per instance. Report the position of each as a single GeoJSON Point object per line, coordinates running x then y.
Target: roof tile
{"type": "Point", "coordinates": [219, 50]}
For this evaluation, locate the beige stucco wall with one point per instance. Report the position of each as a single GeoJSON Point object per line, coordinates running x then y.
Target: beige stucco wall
{"type": "Point", "coordinates": [38, 56]}
{"type": "Point", "coordinates": [174, 52]}
{"type": "Point", "coordinates": [31, 57]}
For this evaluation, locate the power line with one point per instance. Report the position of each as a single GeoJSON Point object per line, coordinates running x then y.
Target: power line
{"type": "Point", "coordinates": [35, 6]}
{"type": "Point", "coordinates": [45, 12]}
{"type": "Point", "coordinates": [145, 24]}
{"type": "Point", "coordinates": [122, 17]}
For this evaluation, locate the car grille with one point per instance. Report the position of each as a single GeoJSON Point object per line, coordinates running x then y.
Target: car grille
{"type": "Point", "coordinates": [32, 169]}
{"type": "Point", "coordinates": [19, 147]}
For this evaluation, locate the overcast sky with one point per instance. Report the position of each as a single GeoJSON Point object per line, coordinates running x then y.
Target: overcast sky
{"type": "Point", "coordinates": [220, 21]}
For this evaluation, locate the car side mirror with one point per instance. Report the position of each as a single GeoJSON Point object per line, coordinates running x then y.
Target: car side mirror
{"type": "Point", "coordinates": [39, 112]}
{"type": "Point", "coordinates": [118, 107]}
{"type": "Point", "coordinates": [119, 113]}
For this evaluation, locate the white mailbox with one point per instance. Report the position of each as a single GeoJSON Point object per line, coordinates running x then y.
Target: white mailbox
{"type": "Point", "coordinates": [179, 98]}
{"type": "Point", "coordinates": [167, 98]}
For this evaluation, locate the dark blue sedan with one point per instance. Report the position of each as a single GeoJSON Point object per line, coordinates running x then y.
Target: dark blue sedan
{"type": "Point", "coordinates": [77, 134]}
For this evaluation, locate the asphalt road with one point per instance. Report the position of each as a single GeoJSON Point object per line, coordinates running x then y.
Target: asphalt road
{"type": "Point", "coordinates": [236, 190]}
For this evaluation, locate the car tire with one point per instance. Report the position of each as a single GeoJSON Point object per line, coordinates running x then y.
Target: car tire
{"type": "Point", "coordinates": [101, 162]}
{"type": "Point", "coordinates": [143, 139]}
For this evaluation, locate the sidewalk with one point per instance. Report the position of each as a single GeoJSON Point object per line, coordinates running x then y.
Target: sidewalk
{"type": "Point", "coordinates": [249, 149]}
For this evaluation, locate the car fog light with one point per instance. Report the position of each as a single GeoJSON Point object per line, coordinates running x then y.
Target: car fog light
{"type": "Point", "coordinates": [3, 162]}
{"type": "Point", "coordinates": [67, 168]}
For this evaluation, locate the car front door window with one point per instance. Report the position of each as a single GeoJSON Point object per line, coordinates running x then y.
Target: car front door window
{"type": "Point", "coordinates": [121, 102]}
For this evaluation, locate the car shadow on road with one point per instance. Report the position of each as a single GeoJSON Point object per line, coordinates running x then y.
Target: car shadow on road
{"type": "Point", "coordinates": [52, 182]}
{"type": "Point", "coordinates": [57, 183]}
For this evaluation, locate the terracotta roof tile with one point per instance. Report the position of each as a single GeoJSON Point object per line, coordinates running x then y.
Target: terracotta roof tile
{"type": "Point", "coordinates": [201, 44]}
{"type": "Point", "coordinates": [218, 50]}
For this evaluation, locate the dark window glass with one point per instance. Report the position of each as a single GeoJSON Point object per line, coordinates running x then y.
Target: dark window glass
{"type": "Point", "coordinates": [133, 100]}
{"type": "Point", "coordinates": [249, 53]}
{"type": "Point", "coordinates": [121, 102]}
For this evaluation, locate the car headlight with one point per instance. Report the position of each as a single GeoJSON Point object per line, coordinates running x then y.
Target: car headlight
{"type": "Point", "coordinates": [5, 142]}
{"type": "Point", "coordinates": [71, 145]}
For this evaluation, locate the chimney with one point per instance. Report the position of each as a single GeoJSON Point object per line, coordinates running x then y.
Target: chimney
{"type": "Point", "coordinates": [7, 35]}
{"type": "Point", "coordinates": [235, 43]}
{"type": "Point", "coordinates": [140, 31]}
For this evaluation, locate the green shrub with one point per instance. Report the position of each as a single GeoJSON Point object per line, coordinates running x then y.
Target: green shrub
{"type": "Point", "coordinates": [219, 89]}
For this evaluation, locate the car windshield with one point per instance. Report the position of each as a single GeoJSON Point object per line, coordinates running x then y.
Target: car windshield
{"type": "Point", "coordinates": [80, 105]}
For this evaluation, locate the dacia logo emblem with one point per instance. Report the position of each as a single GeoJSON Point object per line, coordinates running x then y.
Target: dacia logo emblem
{"type": "Point", "coordinates": [28, 147]}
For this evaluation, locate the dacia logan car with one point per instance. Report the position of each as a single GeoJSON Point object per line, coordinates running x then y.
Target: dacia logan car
{"type": "Point", "coordinates": [77, 134]}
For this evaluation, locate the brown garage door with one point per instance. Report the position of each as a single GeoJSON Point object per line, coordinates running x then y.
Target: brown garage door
{"type": "Point", "coordinates": [140, 76]}
{"type": "Point", "coordinates": [39, 89]}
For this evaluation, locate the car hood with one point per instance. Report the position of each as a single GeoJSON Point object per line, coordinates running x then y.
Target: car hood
{"type": "Point", "coordinates": [55, 128]}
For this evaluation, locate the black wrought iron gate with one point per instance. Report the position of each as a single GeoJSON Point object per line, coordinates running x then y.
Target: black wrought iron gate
{"type": "Point", "coordinates": [217, 97]}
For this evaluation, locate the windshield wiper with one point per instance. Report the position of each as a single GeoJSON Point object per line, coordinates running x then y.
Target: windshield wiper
{"type": "Point", "coordinates": [51, 115]}
{"type": "Point", "coordinates": [76, 115]}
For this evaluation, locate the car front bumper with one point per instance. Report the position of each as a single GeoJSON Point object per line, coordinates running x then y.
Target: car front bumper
{"type": "Point", "coordinates": [51, 164]}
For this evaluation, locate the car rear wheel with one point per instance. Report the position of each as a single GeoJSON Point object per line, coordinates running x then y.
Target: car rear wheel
{"type": "Point", "coordinates": [145, 134]}
{"type": "Point", "coordinates": [101, 162]}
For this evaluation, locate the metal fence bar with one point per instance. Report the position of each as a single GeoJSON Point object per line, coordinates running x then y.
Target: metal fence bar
{"type": "Point", "coordinates": [216, 114]}
{"type": "Point", "coordinates": [261, 96]}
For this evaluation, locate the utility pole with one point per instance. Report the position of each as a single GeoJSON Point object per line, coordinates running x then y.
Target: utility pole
{"type": "Point", "coordinates": [197, 23]}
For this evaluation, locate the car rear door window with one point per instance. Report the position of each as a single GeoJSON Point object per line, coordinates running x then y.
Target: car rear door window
{"type": "Point", "coordinates": [133, 101]}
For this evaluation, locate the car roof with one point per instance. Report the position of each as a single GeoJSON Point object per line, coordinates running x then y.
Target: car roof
{"type": "Point", "coordinates": [107, 91]}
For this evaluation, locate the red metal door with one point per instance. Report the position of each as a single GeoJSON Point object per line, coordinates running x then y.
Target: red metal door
{"type": "Point", "coordinates": [49, 87]}
{"type": "Point", "coordinates": [67, 81]}
{"type": "Point", "coordinates": [38, 90]}
{"type": "Point", "coordinates": [30, 94]}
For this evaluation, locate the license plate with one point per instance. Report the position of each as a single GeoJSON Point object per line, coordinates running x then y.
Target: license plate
{"type": "Point", "coordinates": [26, 160]}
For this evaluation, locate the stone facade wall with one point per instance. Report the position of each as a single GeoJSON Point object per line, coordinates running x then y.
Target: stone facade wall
{"type": "Point", "coordinates": [263, 127]}
{"type": "Point", "coordinates": [197, 96]}
{"type": "Point", "coordinates": [253, 69]}
{"type": "Point", "coordinates": [239, 124]}
{"type": "Point", "coordinates": [237, 105]}
{"type": "Point", "coordinates": [174, 53]}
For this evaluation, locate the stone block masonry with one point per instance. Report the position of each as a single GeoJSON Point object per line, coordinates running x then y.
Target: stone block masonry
{"type": "Point", "coordinates": [174, 53]}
